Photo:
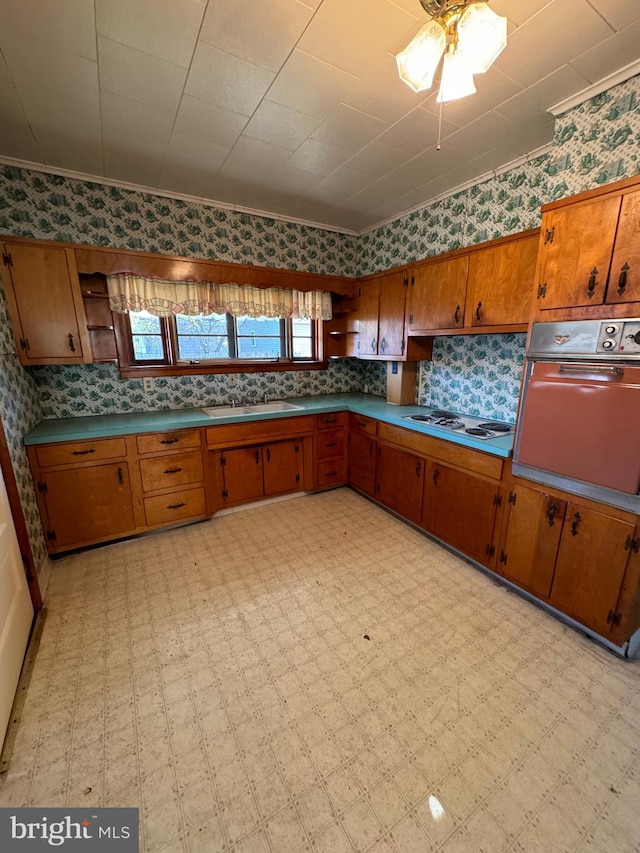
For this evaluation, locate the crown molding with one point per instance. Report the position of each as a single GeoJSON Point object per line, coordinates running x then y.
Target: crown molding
{"type": "Point", "coordinates": [620, 76]}
{"type": "Point", "coordinates": [206, 202]}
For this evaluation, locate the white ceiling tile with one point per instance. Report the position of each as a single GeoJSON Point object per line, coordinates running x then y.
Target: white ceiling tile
{"type": "Point", "coordinates": [208, 122]}
{"type": "Point", "coordinates": [68, 26]}
{"type": "Point", "coordinates": [318, 157]}
{"type": "Point", "coordinates": [226, 80]}
{"type": "Point", "coordinates": [139, 76]}
{"type": "Point", "coordinates": [80, 151]}
{"type": "Point", "coordinates": [518, 12]}
{"type": "Point", "coordinates": [20, 147]}
{"type": "Point", "coordinates": [609, 55]}
{"type": "Point", "coordinates": [191, 164]}
{"type": "Point", "coordinates": [255, 154]}
{"type": "Point", "coordinates": [353, 35]}
{"type": "Point", "coordinates": [136, 138]}
{"type": "Point", "coordinates": [377, 158]}
{"type": "Point", "coordinates": [342, 183]}
{"type": "Point", "coordinates": [532, 103]}
{"type": "Point", "coordinates": [383, 94]}
{"type": "Point", "coordinates": [349, 129]}
{"type": "Point", "coordinates": [164, 28]}
{"type": "Point", "coordinates": [617, 13]}
{"type": "Point", "coordinates": [416, 131]}
{"type": "Point", "coordinates": [553, 37]}
{"type": "Point", "coordinates": [280, 125]}
{"type": "Point", "coordinates": [484, 133]}
{"type": "Point", "coordinates": [13, 120]}
{"type": "Point", "coordinates": [310, 86]}
{"type": "Point", "coordinates": [263, 32]}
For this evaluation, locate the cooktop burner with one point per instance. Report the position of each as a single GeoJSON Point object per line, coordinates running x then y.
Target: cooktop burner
{"type": "Point", "coordinates": [471, 426]}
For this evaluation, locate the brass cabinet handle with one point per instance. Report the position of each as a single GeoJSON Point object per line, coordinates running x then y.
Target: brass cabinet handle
{"type": "Point", "coordinates": [575, 523]}
{"type": "Point", "coordinates": [478, 307]}
{"type": "Point", "coordinates": [172, 470]}
{"type": "Point", "coordinates": [457, 315]}
{"type": "Point", "coordinates": [175, 506]}
{"type": "Point", "coordinates": [72, 346]}
{"type": "Point", "coordinates": [83, 452]}
{"type": "Point", "coordinates": [591, 287]}
{"type": "Point", "coordinates": [622, 281]}
{"type": "Point", "coordinates": [551, 514]}
{"type": "Point", "coordinates": [169, 440]}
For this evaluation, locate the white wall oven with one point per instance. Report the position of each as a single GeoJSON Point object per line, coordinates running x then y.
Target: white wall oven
{"type": "Point", "coordinates": [579, 420]}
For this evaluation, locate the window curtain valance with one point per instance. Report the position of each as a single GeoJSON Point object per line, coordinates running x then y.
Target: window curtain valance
{"type": "Point", "coordinates": [128, 292]}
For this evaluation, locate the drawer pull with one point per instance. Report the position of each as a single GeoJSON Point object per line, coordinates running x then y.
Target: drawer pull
{"type": "Point", "coordinates": [329, 420]}
{"type": "Point", "coordinates": [332, 473]}
{"type": "Point", "coordinates": [169, 441]}
{"type": "Point", "coordinates": [83, 452]}
{"type": "Point", "coordinates": [361, 424]}
{"type": "Point", "coordinates": [172, 470]}
{"type": "Point", "coordinates": [176, 506]}
{"type": "Point", "coordinates": [331, 444]}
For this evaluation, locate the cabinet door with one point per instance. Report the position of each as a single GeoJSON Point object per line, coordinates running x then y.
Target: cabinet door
{"type": "Point", "coordinates": [592, 560]}
{"type": "Point", "coordinates": [500, 283]}
{"type": "Point", "coordinates": [242, 475]}
{"type": "Point", "coordinates": [88, 504]}
{"type": "Point", "coordinates": [399, 481]}
{"type": "Point", "coordinates": [460, 509]}
{"type": "Point", "coordinates": [529, 547]}
{"type": "Point", "coordinates": [282, 467]}
{"type": "Point", "coordinates": [367, 317]}
{"type": "Point", "coordinates": [624, 281]}
{"type": "Point", "coordinates": [42, 306]}
{"type": "Point", "coordinates": [437, 295]}
{"type": "Point", "coordinates": [576, 246]}
{"type": "Point", "coordinates": [393, 294]}
{"type": "Point", "coordinates": [361, 471]}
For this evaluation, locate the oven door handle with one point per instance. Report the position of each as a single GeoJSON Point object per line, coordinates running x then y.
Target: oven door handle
{"type": "Point", "coordinates": [577, 368]}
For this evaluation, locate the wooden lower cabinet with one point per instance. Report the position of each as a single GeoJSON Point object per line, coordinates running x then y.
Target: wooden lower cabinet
{"type": "Point", "coordinates": [330, 450]}
{"type": "Point", "coordinates": [460, 508]}
{"type": "Point", "coordinates": [592, 560]}
{"type": "Point", "coordinates": [530, 538]}
{"type": "Point", "coordinates": [399, 481]}
{"type": "Point", "coordinates": [361, 462]}
{"type": "Point", "coordinates": [88, 504]}
{"type": "Point", "coordinates": [258, 471]}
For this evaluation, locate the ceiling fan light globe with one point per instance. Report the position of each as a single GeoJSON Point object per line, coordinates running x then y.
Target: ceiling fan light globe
{"type": "Point", "coordinates": [418, 62]}
{"type": "Point", "coordinates": [482, 36]}
{"type": "Point", "coordinates": [457, 79]}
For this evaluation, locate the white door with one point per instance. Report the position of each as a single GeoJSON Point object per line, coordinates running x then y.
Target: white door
{"type": "Point", "coordinates": [16, 611]}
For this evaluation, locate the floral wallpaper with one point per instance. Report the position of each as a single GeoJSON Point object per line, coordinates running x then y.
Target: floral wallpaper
{"type": "Point", "coordinates": [595, 143]}
{"type": "Point", "coordinates": [98, 389]}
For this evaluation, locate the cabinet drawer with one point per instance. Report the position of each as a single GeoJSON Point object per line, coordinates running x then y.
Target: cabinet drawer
{"type": "Point", "coordinates": [331, 443]}
{"type": "Point", "coordinates": [73, 452]}
{"type": "Point", "coordinates": [165, 509]}
{"type": "Point", "coordinates": [165, 472]}
{"type": "Point", "coordinates": [361, 423]}
{"type": "Point", "coordinates": [331, 420]}
{"type": "Point", "coordinates": [178, 440]}
{"type": "Point", "coordinates": [332, 472]}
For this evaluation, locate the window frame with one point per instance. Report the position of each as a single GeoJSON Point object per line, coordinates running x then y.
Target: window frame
{"type": "Point", "coordinates": [131, 367]}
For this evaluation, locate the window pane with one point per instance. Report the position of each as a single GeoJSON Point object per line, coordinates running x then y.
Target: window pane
{"type": "Point", "coordinates": [147, 347]}
{"type": "Point", "coordinates": [259, 337]}
{"type": "Point", "coordinates": [301, 328]}
{"type": "Point", "coordinates": [202, 338]}
{"type": "Point", "coordinates": [144, 323]}
{"type": "Point", "coordinates": [258, 326]}
{"type": "Point", "coordinates": [302, 348]}
{"type": "Point", "coordinates": [256, 347]}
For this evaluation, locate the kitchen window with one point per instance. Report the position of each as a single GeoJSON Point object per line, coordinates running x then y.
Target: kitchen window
{"type": "Point", "coordinates": [215, 343]}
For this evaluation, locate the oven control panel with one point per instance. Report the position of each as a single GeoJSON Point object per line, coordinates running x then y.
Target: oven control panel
{"type": "Point", "coordinates": [619, 336]}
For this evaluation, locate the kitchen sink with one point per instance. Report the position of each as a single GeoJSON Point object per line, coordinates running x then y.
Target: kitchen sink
{"type": "Point", "coordinates": [255, 409]}
{"type": "Point", "coordinates": [274, 406]}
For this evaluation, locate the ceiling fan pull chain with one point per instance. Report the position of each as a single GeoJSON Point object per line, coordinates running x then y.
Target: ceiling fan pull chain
{"type": "Point", "coordinates": [439, 128]}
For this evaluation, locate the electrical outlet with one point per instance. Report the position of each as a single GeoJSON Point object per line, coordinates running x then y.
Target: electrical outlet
{"type": "Point", "coordinates": [366, 388]}
{"type": "Point", "coordinates": [148, 383]}
{"type": "Point", "coordinates": [232, 380]}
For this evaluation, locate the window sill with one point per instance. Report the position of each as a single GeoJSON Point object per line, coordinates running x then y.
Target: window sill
{"type": "Point", "coordinates": [139, 371]}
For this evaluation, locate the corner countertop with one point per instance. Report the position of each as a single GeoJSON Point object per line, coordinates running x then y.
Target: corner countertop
{"type": "Point", "coordinates": [102, 426]}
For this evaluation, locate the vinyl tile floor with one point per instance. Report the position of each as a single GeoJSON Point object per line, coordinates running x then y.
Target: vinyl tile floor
{"type": "Point", "coordinates": [315, 675]}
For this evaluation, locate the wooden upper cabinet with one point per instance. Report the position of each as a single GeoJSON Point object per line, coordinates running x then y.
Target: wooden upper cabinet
{"type": "Point", "coordinates": [624, 280]}
{"type": "Point", "coordinates": [500, 283]}
{"type": "Point", "coordinates": [592, 560]}
{"type": "Point", "coordinates": [367, 315]}
{"type": "Point", "coordinates": [576, 247]}
{"type": "Point", "coordinates": [437, 294]}
{"type": "Point", "coordinates": [393, 295]}
{"type": "Point", "coordinates": [45, 304]}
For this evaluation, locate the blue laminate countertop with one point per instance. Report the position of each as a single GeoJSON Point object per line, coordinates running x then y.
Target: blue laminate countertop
{"type": "Point", "coordinates": [102, 426]}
